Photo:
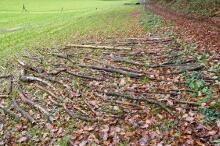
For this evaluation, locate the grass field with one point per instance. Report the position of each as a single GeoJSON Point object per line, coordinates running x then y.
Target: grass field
{"type": "Point", "coordinates": [51, 23]}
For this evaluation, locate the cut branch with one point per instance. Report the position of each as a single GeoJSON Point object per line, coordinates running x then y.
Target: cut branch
{"type": "Point", "coordinates": [10, 113]}
{"type": "Point", "coordinates": [151, 101]}
{"type": "Point", "coordinates": [83, 76]}
{"type": "Point", "coordinates": [32, 103]}
{"type": "Point", "coordinates": [49, 93]}
{"type": "Point", "coordinates": [29, 67]}
{"type": "Point", "coordinates": [97, 47]}
{"type": "Point", "coordinates": [114, 70]}
{"type": "Point", "coordinates": [23, 113]}
{"type": "Point", "coordinates": [34, 79]}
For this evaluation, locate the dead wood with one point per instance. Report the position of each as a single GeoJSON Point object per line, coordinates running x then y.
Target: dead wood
{"type": "Point", "coordinates": [27, 100]}
{"type": "Point", "coordinates": [23, 113]}
{"type": "Point", "coordinates": [83, 76]}
{"type": "Point", "coordinates": [8, 112]}
{"type": "Point", "coordinates": [68, 88]}
{"type": "Point", "coordinates": [114, 70]}
{"type": "Point", "coordinates": [49, 93]}
{"type": "Point", "coordinates": [188, 68]}
{"type": "Point", "coordinates": [5, 77]}
{"type": "Point", "coordinates": [151, 101]}
{"type": "Point", "coordinates": [165, 64]}
{"type": "Point", "coordinates": [63, 56]}
{"type": "Point", "coordinates": [97, 47]}
{"type": "Point", "coordinates": [83, 118]}
{"type": "Point", "coordinates": [32, 79]}
{"type": "Point", "coordinates": [29, 67]}
{"type": "Point", "coordinates": [5, 96]}
{"type": "Point", "coordinates": [156, 40]}
{"type": "Point", "coordinates": [57, 72]}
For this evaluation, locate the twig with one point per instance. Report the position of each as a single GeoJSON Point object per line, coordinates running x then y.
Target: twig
{"type": "Point", "coordinates": [151, 101]}
{"type": "Point", "coordinates": [5, 96]}
{"type": "Point", "coordinates": [23, 113]}
{"type": "Point", "coordinates": [63, 56]}
{"type": "Point", "coordinates": [49, 93]}
{"type": "Point", "coordinates": [29, 67]}
{"type": "Point", "coordinates": [83, 76]}
{"type": "Point", "coordinates": [8, 112]}
{"type": "Point", "coordinates": [83, 118]}
{"type": "Point", "coordinates": [35, 79]}
{"type": "Point", "coordinates": [32, 103]}
{"type": "Point", "coordinates": [97, 47]}
{"type": "Point", "coordinates": [114, 70]}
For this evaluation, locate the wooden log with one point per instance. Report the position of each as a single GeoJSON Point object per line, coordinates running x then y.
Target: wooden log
{"type": "Point", "coordinates": [98, 47]}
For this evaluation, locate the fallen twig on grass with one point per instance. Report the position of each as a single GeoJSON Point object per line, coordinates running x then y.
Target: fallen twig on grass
{"type": "Point", "coordinates": [5, 96]}
{"type": "Point", "coordinates": [32, 103]}
{"type": "Point", "coordinates": [34, 79]}
{"type": "Point", "coordinates": [29, 67]}
{"type": "Point", "coordinates": [83, 76]}
{"type": "Point", "coordinates": [151, 101]}
{"type": "Point", "coordinates": [49, 93]}
{"type": "Point", "coordinates": [63, 56]}
{"type": "Point", "coordinates": [23, 113]}
{"type": "Point", "coordinates": [165, 64]}
{"type": "Point", "coordinates": [83, 118]}
{"type": "Point", "coordinates": [114, 70]}
{"type": "Point", "coordinates": [10, 113]}
{"type": "Point", "coordinates": [97, 47]}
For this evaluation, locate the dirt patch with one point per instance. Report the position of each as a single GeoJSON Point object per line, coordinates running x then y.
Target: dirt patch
{"type": "Point", "coordinates": [202, 30]}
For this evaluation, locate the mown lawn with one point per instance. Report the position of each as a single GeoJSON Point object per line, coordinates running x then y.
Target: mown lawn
{"type": "Point", "coordinates": [52, 23]}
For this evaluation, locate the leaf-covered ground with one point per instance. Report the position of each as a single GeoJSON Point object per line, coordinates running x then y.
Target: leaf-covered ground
{"type": "Point", "coordinates": [142, 89]}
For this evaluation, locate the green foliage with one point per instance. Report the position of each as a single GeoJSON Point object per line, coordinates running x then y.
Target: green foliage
{"type": "Point", "coordinates": [197, 85]}
{"type": "Point", "coordinates": [211, 115]}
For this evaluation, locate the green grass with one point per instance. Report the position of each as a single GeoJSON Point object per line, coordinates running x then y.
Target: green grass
{"type": "Point", "coordinates": [52, 23]}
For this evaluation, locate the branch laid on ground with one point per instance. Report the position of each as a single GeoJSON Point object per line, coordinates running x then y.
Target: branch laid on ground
{"type": "Point", "coordinates": [29, 67]}
{"type": "Point", "coordinates": [151, 101]}
{"type": "Point", "coordinates": [23, 113]}
{"type": "Point", "coordinates": [57, 72]}
{"type": "Point", "coordinates": [5, 96]}
{"type": "Point", "coordinates": [68, 88]}
{"type": "Point", "coordinates": [5, 77]}
{"type": "Point", "coordinates": [32, 103]}
{"type": "Point", "coordinates": [189, 68]}
{"type": "Point", "coordinates": [10, 85]}
{"type": "Point", "coordinates": [165, 64]}
{"type": "Point", "coordinates": [63, 56]}
{"type": "Point", "coordinates": [97, 47]}
{"type": "Point", "coordinates": [10, 113]}
{"type": "Point", "coordinates": [31, 79]}
{"type": "Point", "coordinates": [186, 102]}
{"type": "Point", "coordinates": [113, 70]}
{"type": "Point", "coordinates": [49, 93]}
{"type": "Point", "coordinates": [150, 39]}
{"type": "Point", "coordinates": [83, 118]}
{"type": "Point", "coordinates": [83, 76]}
